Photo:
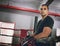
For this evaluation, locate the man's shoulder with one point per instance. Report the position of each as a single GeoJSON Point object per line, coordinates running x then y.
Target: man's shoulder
{"type": "Point", "coordinates": [50, 18]}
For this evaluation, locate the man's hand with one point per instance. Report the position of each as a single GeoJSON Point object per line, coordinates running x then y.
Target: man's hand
{"type": "Point", "coordinates": [36, 37]}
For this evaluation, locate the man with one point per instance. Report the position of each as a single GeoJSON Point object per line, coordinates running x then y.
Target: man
{"type": "Point", "coordinates": [44, 26]}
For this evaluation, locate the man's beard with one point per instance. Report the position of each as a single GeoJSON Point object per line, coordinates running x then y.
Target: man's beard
{"type": "Point", "coordinates": [43, 15]}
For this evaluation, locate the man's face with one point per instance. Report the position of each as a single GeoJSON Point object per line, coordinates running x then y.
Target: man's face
{"type": "Point", "coordinates": [44, 10]}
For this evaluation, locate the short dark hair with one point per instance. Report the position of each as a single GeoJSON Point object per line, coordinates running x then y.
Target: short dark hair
{"type": "Point", "coordinates": [45, 5]}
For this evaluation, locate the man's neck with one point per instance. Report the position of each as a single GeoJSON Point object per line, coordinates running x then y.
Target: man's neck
{"type": "Point", "coordinates": [44, 17]}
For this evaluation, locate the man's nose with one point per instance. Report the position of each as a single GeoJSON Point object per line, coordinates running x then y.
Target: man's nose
{"type": "Point", "coordinates": [42, 11]}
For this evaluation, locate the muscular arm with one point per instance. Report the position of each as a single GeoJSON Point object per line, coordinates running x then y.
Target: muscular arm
{"type": "Point", "coordinates": [46, 32]}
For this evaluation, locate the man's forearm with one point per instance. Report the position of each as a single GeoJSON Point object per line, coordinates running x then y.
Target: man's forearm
{"type": "Point", "coordinates": [39, 36]}
{"type": "Point", "coordinates": [46, 32]}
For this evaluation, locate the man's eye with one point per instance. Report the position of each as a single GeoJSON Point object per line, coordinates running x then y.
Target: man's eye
{"type": "Point", "coordinates": [44, 8]}
{"type": "Point", "coordinates": [41, 9]}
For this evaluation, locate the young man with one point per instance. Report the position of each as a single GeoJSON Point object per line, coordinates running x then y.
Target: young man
{"type": "Point", "coordinates": [44, 26]}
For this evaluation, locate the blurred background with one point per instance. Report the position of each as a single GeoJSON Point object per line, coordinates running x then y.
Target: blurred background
{"type": "Point", "coordinates": [23, 14]}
